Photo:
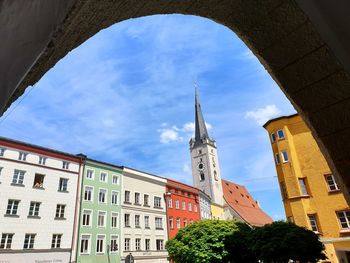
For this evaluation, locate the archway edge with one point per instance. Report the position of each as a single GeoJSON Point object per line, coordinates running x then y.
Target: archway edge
{"type": "Point", "coordinates": [278, 32]}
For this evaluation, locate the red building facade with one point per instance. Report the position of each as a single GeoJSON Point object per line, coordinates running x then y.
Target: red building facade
{"type": "Point", "coordinates": [182, 204]}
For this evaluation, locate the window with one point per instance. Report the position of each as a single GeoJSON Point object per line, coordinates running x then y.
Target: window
{"type": "Point", "coordinates": [115, 197]}
{"type": "Point", "coordinates": [101, 219]}
{"type": "Point", "coordinates": [273, 137]}
{"type": "Point", "coordinates": [29, 241]}
{"type": "Point", "coordinates": [115, 179]}
{"type": "Point", "coordinates": [191, 221]}
{"type": "Point", "coordinates": [137, 199]}
{"type": "Point", "coordinates": [6, 241]}
{"type": "Point", "coordinates": [114, 220]}
{"type": "Point", "coordinates": [344, 219]}
{"type": "Point", "coordinates": [185, 222]}
{"type": "Point", "coordinates": [38, 181]}
{"type": "Point", "coordinates": [1, 169]}
{"type": "Point", "coordinates": [178, 223]}
{"type": "Point", "coordinates": [63, 185]}
{"type": "Point", "coordinates": [89, 174]}
{"type": "Point", "coordinates": [190, 206]}
{"type": "Point", "coordinates": [65, 165]}
{"type": "Point", "coordinates": [42, 160]}
{"type": "Point", "coordinates": [127, 244]}
{"type": "Point", "coordinates": [114, 244]}
{"type": "Point", "coordinates": [147, 222]}
{"type": "Point", "coordinates": [313, 223]}
{"type": "Point", "coordinates": [127, 220]}
{"type": "Point", "coordinates": [159, 244]}
{"type": "Point", "coordinates": [18, 177]}
{"type": "Point", "coordinates": [177, 204]}
{"type": "Point", "coordinates": [147, 244]}
{"type": "Point", "coordinates": [88, 193]}
{"type": "Point", "coordinates": [34, 209]}
{"type": "Point", "coordinates": [284, 191]}
{"type": "Point", "coordinates": [22, 156]}
{"type": "Point", "coordinates": [157, 201]}
{"type": "Point", "coordinates": [85, 244]}
{"type": "Point", "coordinates": [103, 177]}
{"type": "Point", "coordinates": [280, 134]}
{"type": "Point", "coordinates": [146, 200]}
{"type": "Point", "coordinates": [195, 208]}
{"type": "Point", "coordinates": [87, 215]}
{"type": "Point", "coordinates": [138, 244]}
{"type": "Point", "coordinates": [332, 185]}
{"type": "Point", "coordinates": [159, 222]}
{"type": "Point", "coordinates": [285, 158]}
{"type": "Point", "coordinates": [171, 222]}
{"type": "Point", "coordinates": [2, 151]}
{"type": "Point", "coordinates": [12, 207]}
{"type": "Point", "coordinates": [137, 221]}
{"type": "Point", "coordinates": [170, 203]}
{"type": "Point", "coordinates": [56, 241]}
{"type": "Point", "coordinates": [100, 248]}
{"type": "Point", "coordinates": [102, 196]}
{"type": "Point", "coordinates": [302, 183]}
{"type": "Point", "coordinates": [60, 211]}
{"type": "Point", "coordinates": [277, 158]}
{"type": "Point", "coordinates": [183, 205]}
{"type": "Point", "coordinates": [201, 176]}
{"type": "Point", "coordinates": [127, 197]}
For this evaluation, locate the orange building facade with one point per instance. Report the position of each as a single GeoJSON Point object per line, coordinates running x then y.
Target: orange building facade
{"type": "Point", "coordinates": [183, 208]}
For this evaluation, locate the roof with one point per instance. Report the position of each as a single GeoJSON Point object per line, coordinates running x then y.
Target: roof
{"type": "Point", "coordinates": [240, 200]}
{"type": "Point", "coordinates": [183, 186]}
{"type": "Point", "coordinates": [280, 118]}
{"type": "Point", "coordinates": [104, 163]}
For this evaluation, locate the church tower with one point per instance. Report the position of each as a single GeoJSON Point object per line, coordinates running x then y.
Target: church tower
{"type": "Point", "coordinates": [204, 158]}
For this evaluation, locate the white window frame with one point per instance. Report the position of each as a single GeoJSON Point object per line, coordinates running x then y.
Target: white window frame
{"type": "Point", "coordinates": [190, 206]}
{"type": "Point", "coordinates": [177, 204]}
{"type": "Point", "coordinates": [178, 222]}
{"type": "Point", "coordinates": [115, 176]}
{"type": "Point", "coordinates": [54, 240]}
{"type": "Point", "coordinates": [112, 238]}
{"type": "Point", "coordinates": [6, 244]}
{"type": "Point", "coordinates": [19, 177]}
{"type": "Point", "coordinates": [137, 202]}
{"type": "Point", "coordinates": [170, 203]}
{"type": "Point", "coordinates": [129, 223]}
{"type": "Point", "coordinates": [104, 213]}
{"type": "Point", "coordinates": [144, 199]}
{"type": "Point", "coordinates": [161, 244]}
{"type": "Point", "coordinates": [127, 201]}
{"type": "Point", "coordinates": [313, 222]}
{"type": "Point", "coordinates": [334, 183]}
{"type": "Point", "coordinates": [88, 238]}
{"type": "Point", "coordinates": [303, 187]}
{"type": "Point", "coordinates": [42, 160]}
{"type": "Point", "coordinates": [2, 151]}
{"type": "Point", "coordinates": [138, 244]}
{"type": "Point", "coordinates": [158, 222]}
{"type": "Point", "coordinates": [129, 243]}
{"type": "Point", "coordinates": [155, 204]}
{"type": "Point", "coordinates": [103, 238]}
{"type": "Point", "coordinates": [106, 195]}
{"type": "Point", "coordinates": [62, 186]}
{"type": "Point", "coordinates": [147, 221]}
{"type": "Point", "coordinates": [347, 220]}
{"type": "Point", "coordinates": [92, 174]}
{"type": "Point", "coordinates": [184, 222]}
{"type": "Point", "coordinates": [22, 156]}
{"type": "Point", "coordinates": [147, 244]}
{"type": "Point", "coordinates": [183, 205]}
{"type": "Point", "coordinates": [283, 157]}
{"type": "Point", "coordinates": [91, 216]}
{"type": "Point", "coordinates": [60, 210]}
{"type": "Point", "coordinates": [113, 194]}
{"type": "Point", "coordinates": [195, 208]}
{"type": "Point", "coordinates": [31, 240]}
{"type": "Point", "coordinates": [115, 215]}
{"type": "Point", "coordinates": [65, 165]}
{"type": "Point", "coordinates": [36, 208]}
{"type": "Point", "coordinates": [91, 194]}
{"type": "Point", "coordinates": [278, 134]}
{"type": "Point", "coordinates": [12, 204]}
{"type": "Point", "coordinates": [171, 223]}
{"type": "Point", "coordinates": [106, 177]}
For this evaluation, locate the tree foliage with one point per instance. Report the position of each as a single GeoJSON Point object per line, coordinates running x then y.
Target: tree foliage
{"type": "Point", "coordinates": [202, 242]}
{"type": "Point", "coordinates": [212, 241]}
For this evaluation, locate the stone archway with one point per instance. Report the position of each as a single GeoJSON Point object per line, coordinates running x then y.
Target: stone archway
{"type": "Point", "coordinates": [279, 32]}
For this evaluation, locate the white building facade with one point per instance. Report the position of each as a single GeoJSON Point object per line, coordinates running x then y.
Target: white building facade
{"type": "Point", "coordinates": [144, 222]}
{"type": "Point", "coordinates": [204, 203]}
{"type": "Point", "coordinates": [38, 189]}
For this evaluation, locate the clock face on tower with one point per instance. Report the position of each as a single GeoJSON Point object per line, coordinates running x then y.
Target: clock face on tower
{"type": "Point", "coordinates": [201, 166]}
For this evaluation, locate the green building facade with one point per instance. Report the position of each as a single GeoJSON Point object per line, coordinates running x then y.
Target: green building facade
{"type": "Point", "coordinates": [99, 233]}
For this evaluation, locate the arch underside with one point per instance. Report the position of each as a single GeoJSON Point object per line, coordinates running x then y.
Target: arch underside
{"type": "Point", "coordinates": [278, 32]}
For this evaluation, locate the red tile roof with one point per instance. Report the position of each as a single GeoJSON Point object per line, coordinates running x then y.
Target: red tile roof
{"type": "Point", "coordinates": [239, 199]}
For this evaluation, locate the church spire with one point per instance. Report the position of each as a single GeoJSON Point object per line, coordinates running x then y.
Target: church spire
{"type": "Point", "coordinates": [201, 132]}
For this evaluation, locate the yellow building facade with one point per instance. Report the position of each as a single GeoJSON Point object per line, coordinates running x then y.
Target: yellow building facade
{"type": "Point", "coordinates": [310, 194]}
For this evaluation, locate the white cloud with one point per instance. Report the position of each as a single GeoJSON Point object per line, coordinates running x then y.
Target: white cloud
{"type": "Point", "coordinates": [188, 127]}
{"type": "Point", "coordinates": [169, 135]}
{"type": "Point", "coordinates": [262, 115]}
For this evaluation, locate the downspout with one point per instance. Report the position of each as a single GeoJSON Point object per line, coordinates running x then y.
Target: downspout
{"type": "Point", "coordinates": [77, 207]}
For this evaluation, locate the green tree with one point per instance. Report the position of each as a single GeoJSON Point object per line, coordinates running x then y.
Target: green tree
{"type": "Point", "coordinates": [280, 241]}
{"type": "Point", "coordinates": [202, 242]}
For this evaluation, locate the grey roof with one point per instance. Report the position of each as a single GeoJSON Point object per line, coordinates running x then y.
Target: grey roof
{"type": "Point", "coordinates": [200, 127]}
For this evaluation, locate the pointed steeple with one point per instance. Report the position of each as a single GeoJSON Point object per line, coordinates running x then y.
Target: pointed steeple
{"type": "Point", "coordinates": [201, 133]}
{"type": "Point", "coordinates": [200, 127]}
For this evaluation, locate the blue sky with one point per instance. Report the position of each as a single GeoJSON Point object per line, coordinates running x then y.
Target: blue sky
{"type": "Point", "coordinates": [126, 96]}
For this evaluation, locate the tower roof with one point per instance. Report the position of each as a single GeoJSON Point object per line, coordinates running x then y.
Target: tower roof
{"type": "Point", "coordinates": [200, 127]}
